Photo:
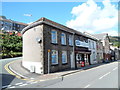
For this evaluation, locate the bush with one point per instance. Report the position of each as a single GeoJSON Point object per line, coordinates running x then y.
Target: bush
{"type": "Point", "coordinates": [11, 45]}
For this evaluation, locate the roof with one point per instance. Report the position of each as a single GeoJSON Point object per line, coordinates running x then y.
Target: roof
{"type": "Point", "coordinates": [9, 20]}
{"type": "Point", "coordinates": [54, 24]}
{"type": "Point", "coordinates": [90, 35]}
{"type": "Point", "coordinates": [101, 36]}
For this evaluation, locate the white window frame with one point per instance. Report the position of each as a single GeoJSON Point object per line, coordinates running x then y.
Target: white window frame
{"type": "Point", "coordinates": [71, 40]}
{"type": "Point", "coordinates": [52, 39]}
{"type": "Point", "coordinates": [64, 53]}
{"type": "Point", "coordinates": [63, 38]}
{"type": "Point", "coordinates": [56, 57]}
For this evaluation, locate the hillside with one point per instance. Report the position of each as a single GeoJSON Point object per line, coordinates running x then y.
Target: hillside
{"type": "Point", "coordinates": [115, 40]}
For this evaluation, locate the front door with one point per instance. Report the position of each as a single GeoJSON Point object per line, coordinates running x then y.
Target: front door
{"type": "Point", "coordinates": [78, 60]}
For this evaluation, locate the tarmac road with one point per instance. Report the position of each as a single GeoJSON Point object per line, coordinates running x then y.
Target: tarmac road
{"type": "Point", "coordinates": [7, 79]}
{"type": "Point", "coordinates": [105, 76]}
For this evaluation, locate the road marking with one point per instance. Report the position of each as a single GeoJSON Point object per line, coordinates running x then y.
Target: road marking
{"type": "Point", "coordinates": [32, 78]}
{"type": "Point", "coordinates": [19, 83]}
{"type": "Point", "coordinates": [34, 82]}
{"type": "Point", "coordinates": [87, 86]}
{"type": "Point", "coordinates": [115, 68]}
{"type": "Point", "coordinates": [9, 85]}
{"type": "Point", "coordinates": [12, 87]}
{"type": "Point", "coordinates": [5, 86]}
{"type": "Point", "coordinates": [10, 72]}
{"type": "Point", "coordinates": [23, 84]}
{"type": "Point", "coordinates": [104, 75]}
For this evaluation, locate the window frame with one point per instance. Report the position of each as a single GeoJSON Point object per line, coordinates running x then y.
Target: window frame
{"type": "Point", "coordinates": [66, 61]}
{"type": "Point", "coordinates": [63, 38]}
{"type": "Point", "coordinates": [52, 39]}
{"type": "Point", "coordinates": [56, 57]}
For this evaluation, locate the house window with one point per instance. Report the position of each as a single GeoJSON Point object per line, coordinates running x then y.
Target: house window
{"type": "Point", "coordinates": [70, 40]}
{"type": "Point", "coordinates": [54, 36]}
{"type": "Point", "coordinates": [54, 57]}
{"type": "Point", "coordinates": [63, 38]}
{"type": "Point", "coordinates": [64, 57]}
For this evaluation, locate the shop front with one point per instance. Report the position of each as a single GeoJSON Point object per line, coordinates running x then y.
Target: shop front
{"type": "Point", "coordinates": [82, 57]}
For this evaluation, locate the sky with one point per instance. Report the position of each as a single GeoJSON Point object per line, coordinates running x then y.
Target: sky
{"type": "Point", "coordinates": [89, 16]}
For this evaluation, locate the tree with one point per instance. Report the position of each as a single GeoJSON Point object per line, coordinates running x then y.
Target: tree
{"type": "Point", "coordinates": [11, 44]}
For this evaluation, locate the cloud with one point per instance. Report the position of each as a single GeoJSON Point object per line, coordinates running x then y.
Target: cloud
{"type": "Point", "coordinates": [29, 15]}
{"type": "Point", "coordinates": [92, 18]}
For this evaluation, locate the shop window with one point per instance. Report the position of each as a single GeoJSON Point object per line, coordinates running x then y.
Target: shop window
{"type": "Point", "coordinates": [54, 36]}
{"type": "Point", "coordinates": [63, 38]}
{"type": "Point", "coordinates": [64, 57]}
{"type": "Point", "coordinates": [54, 57]}
{"type": "Point", "coordinates": [70, 40]}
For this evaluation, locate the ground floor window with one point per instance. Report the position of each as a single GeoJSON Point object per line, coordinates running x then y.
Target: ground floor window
{"type": "Point", "coordinates": [64, 57]}
{"type": "Point", "coordinates": [54, 57]}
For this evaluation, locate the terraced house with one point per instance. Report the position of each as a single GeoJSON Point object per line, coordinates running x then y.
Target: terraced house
{"type": "Point", "coordinates": [50, 47]}
{"type": "Point", "coordinates": [9, 25]}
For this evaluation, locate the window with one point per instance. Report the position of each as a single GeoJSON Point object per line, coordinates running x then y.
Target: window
{"type": "Point", "coordinates": [54, 36]}
{"type": "Point", "coordinates": [64, 57]}
{"type": "Point", "coordinates": [70, 40]}
{"type": "Point", "coordinates": [63, 38]}
{"type": "Point", "coordinates": [54, 57]}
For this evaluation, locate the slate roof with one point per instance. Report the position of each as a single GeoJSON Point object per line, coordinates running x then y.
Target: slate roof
{"type": "Point", "coordinates": [100, 36]}
{"type": "Point", "coordinates": [55, 24]}
{"type": "Point", "coordinates": [9, 20]}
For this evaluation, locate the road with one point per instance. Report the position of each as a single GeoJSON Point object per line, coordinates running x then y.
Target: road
{"type": "Point", "coordinates": [104, 76]}
{"type": "Point", "coordinates": [8, 80]}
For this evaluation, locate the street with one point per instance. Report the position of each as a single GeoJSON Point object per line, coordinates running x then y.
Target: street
{"type": "Point", "coordinates": [7, 79]}
{"type": "Point", "coordinates": [103, 76]}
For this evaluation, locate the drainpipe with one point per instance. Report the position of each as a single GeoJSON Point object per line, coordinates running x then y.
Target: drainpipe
{"type": "Point", "coordinates": [74, 49]}
{"type": "Point", "coordinates": [48, 61]}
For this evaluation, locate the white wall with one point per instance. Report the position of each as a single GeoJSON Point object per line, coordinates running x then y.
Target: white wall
{"type": "Point", "coordinates": [32, 50]}
{"type": "Point", "coordinates": [92, 47]}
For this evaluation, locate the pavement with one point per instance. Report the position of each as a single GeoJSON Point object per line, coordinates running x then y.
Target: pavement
{"type": "Point", "coordinates": [16, 69]}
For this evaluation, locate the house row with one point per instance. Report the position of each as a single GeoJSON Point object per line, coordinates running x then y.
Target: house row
{"type": "Point", "coordinates": [8, 25]}
{"type": "Point", "coordinates": [49, 47]}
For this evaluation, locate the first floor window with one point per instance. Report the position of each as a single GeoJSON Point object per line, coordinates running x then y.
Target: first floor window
{"type": "Point", "coordinates": [54, 36]}
{"type": "Point", "coordinates": [63, 38]}
{"type": "Point", "coordinates": [54, 57]}
{"type": "Point", "coordinates": [64, 57]}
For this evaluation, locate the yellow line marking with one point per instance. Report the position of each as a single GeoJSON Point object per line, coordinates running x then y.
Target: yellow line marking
{"type": "Point", "coordinates": [10, 72]}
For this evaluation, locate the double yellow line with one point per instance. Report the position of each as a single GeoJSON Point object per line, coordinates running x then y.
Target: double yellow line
{"type": "Point", "coordinates": [10, 72]}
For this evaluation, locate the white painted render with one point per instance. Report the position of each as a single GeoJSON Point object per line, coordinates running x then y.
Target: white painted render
{"type": "Point", "coordinates": [33, 50]}
{"type": "Point", "coordinates": [92, 47]}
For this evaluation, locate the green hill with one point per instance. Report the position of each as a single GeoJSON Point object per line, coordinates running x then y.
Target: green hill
{"type": "Point", "coordinates": [115, 40]}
